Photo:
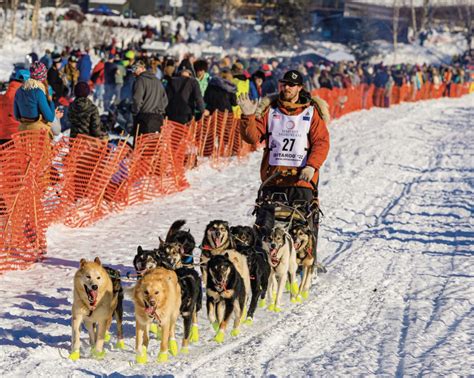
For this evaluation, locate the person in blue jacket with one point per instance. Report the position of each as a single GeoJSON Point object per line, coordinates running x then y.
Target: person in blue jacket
{"type": "Point", "coordinates": [33, 105]}
{"type": "Point", "coordinates": [85, 67]}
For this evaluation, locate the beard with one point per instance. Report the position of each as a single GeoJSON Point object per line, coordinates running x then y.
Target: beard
{"type": "Point", "coordinates": [289, 95]}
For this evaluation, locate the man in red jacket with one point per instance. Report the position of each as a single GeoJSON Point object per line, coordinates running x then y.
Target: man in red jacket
{"type": "Point", "coordinates": [293, 127]}
{"type": "Point", "coordinates": [8, 123]}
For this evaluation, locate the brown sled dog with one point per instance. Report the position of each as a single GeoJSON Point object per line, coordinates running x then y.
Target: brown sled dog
{"type": "Point", "coordinates": [94, 303]}
{"type": "Point", "coordinates": [157, 296]}
{"type": "Point", "coordinates": [304, 242]}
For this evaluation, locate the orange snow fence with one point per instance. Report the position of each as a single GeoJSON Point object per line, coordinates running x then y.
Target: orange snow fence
{"type": "Point", "coordinates": [78, 181]}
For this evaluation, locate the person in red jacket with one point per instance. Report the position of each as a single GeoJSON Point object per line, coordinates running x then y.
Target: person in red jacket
{"type": "Point", "coordinates": [8, 123]}
{"type": "Point", "coordinates": [293, 127]}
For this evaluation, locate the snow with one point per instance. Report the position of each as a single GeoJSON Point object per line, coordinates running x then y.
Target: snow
{"type": "Point", "coordinates": [396, 239]}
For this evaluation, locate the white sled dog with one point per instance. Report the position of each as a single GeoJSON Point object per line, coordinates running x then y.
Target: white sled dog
{"type": "Point", "coordinates": [282, 260]}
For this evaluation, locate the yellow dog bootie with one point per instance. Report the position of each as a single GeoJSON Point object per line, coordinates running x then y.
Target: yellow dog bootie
{"type": "Point", "coordinates": [173, 347]}
{"type": "Point", "coordinates": [74, 356]}
{"type": "Point", "coordinates": [219, 338]}
{"type": "Point", "coordinates": [194, 334]}
{"type": "Point", "coordinates": [142, 358]}
{"type": "Point", "coordinates": [162, 357]}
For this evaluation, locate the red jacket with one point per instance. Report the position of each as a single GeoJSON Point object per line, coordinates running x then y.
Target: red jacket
{"type": "Point", "coordinates": [8, 123]}
{"type": "Point", "coordinates": [99, 67]}
{"type": "Point", "coordinates": [254, 129]}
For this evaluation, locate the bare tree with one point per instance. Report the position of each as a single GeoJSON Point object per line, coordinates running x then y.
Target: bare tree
{"type": "Point", "coordinates": [14, 10]}
{"type": "Point", "coordinates": [395, 22]}
{"type": "Point", "coordinates": [35, 19]}
{"type": "Point", "coordinates": [57, 4]}
{"type": "Point", "coordinates": [466, 13]}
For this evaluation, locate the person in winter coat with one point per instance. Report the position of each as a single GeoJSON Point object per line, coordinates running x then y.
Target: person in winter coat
{"type": "Point", "coordinates": [241, 82]}
{"type": "Point", "coordinates": [110, 68]}
{"type": "Point", "coordinates": [97, 78]}
{"type": "Point", "coordinates": [8, 123]}
{"type": "Point", "coordinates": [120, 74]}
{"type": "Point", "coordinates": [221, 93]}
{"type": "Point", "coordinates": [184, 98]}
{"type": "Point", "coordinates": [325, 80]}
{"type": "Point", "coordinates": [71, 72]}
{"type": "Point", "coordinates": [57, 80]}
{"type": "Point", "coordinates": [33, 105]}
{"type": "Point", "coordinates": [293, 126]}
{"type": "Point", "coordinates": [256, 84]}
{"type": "Point", "coordinates": [202, 76]}
{"type": "Point", "coordinates": [83, 114]}
{"type": "Point", "coordinates": [149, 101]}
{"type": "Point", "coordinates": [84, 65]}
{"type": "Point", "coordinates": [46, 59]}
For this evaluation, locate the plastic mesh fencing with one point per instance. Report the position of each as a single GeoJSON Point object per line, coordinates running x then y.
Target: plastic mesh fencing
{"type": "Point", "coordinates": [78, 181]}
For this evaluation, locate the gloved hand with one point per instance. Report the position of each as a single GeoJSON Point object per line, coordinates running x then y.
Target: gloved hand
{"type": "Point", "coordinates": [307, 173]}
{"type": "Point", "coordinates": [248, 106]}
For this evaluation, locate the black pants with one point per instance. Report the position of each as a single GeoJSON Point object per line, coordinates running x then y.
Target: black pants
{"type": "Point", "coordinates": [146, 123]}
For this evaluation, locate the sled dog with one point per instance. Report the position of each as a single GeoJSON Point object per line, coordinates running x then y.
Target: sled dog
{"type": "Point", "coordinates": [185, 239]}
{"type": "Point", "coordinates": [145, 260]}
{"type": "Point", "coordinates": [282, 260]}
{"type": "Point", "coordinates": [157, 296]}
{"type": "Point", "coordinates": [118, 297]}
{"type": "Point", "coordinates": [225, 294]}
{"type": "Point", "coordinates": [303, 240]}
{"type": "Point", "coordinates": [94, 303]}
{"type": "Point", "coordinates": [245, 239]}
{"type": "Point", "coordinates": [217, 241]}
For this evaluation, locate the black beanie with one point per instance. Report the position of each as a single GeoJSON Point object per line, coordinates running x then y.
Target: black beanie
{"type": "Point", "coordinates": [82, 89]}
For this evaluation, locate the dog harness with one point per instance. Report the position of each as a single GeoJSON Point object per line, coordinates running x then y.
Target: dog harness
{"type": "Point", "coordinates": [288, 137]}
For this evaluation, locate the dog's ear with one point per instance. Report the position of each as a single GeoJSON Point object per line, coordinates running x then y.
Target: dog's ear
{"type": "Point", "coordinates": [82, 262]}
{"type": "Point", "coordinates": [226, 255]}
{"type": "Point", "coordinates": [161, 240]}
{"type": "Point", "coordinates": [139, 249]}
{"type": "Point", "coordinates": [97, 261]}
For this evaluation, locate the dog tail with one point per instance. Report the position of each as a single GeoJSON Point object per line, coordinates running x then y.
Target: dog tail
{"type": "Point", "coordinates": [175, 227]}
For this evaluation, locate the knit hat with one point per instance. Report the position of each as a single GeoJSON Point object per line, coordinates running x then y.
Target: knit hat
{"type": "Point", "coordinates": [38, 71]}
{"type": "Point", "coordinates": [82, 89]}
{"type": "Point", "coordinates": [56, 58]}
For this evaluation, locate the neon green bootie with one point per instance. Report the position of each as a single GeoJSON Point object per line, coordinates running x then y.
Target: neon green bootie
{"type": "Point", "coordinates": [219, 338]}
{"type": "Point", "coordinates": [295, 288]}
{"type": "Point", "coordinates": [271, 307]}
{"type": "Point", "coordinates": [98, 355]}
{"type": "Point", "coordinates": [162, 357]}
{"type": "Point", "coordinates": [287, 286]}
{"type": "Point", "coordinates": [74, 356]}
{"type": "Point", "coordinates": [120, 345]}
{"type": "Point", "coordinates": [142, 358]}
{"type": "Point", "coordinates": [194, 334]}
{"type": "Point", "coordinates": [184, 350]}
{"type": "Point", "coordinates": [215, 326]}
{"type": "Point", "coordinates": [262, 303]}
{"type": "Point", "coordinates": [235, 332]}
{"type": "Point", "coordinates": [248, 321]}
{"type": "Point", "coordinates": [155, 330]}
{"type": "Point", "coordinates": [107, 337]}
{"type": "Point", "coordinates": [305, 294]}
{"type": "Point", "coordinates": [173, 347]}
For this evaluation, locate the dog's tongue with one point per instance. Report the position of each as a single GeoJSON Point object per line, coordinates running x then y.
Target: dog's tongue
{"type": "Point", "coordinates": [218, 241]}
{"type": "Point", "coordinates": [297, 245]}
{"type": "Point", "coordinates": [149, 310]}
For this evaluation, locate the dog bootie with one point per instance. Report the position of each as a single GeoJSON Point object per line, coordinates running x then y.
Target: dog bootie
{"type": "Point", "coordinates": [248, 321]}
{"type": "Point", "coordinates": [215, 326]}
{"type": "Point", "coordinates": [155, 330]}
{"type": "Point", "coordinates": [244, 314]}
{"type": "Point", "coordinates": [120, 345]}
{"type": "Point", "coordinates": [162, 357]}
{"type": "Point", "coordinates": [276, 309]}
{"type": "Point", "coordinates": [271, 307]}
{"type": "Point", "coordinates": [142, 358]}
{"type": "Point", "coordinates": [294, 289]}
{"type": "Point", "coordinates": [262, 303]}
{"type": "Point", "coordinates": [235, 332]}
{"type": "Point", "coordinates": [287, 286]}
{"type": "Point", "coordinates": [107, 337]}
{"type": "Point", "coordinates": [184, 350]}
{"type": "Point", "coordinates": [194, 334]}
{"type": "Point", "coordinates": [74, 356]}
{"type": "Point", "coordinates": [98, 355]}
{"type": "Point", "coordinates": [173, 347]}
{"type": "Point", "coordinates": [219, 338]}
{"type": "Point", "coordinates": [305, 294]}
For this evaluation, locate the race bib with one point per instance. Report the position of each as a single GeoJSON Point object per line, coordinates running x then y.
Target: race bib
{"type": "Point", "coordinates": [288, 140]}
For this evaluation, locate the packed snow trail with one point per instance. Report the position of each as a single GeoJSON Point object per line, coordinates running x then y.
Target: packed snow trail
{"type": "Point", "coordinates": [397, 240]}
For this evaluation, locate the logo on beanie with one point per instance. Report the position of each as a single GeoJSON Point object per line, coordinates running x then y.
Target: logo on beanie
{"type": "Point", "coordinates": [294, 76]}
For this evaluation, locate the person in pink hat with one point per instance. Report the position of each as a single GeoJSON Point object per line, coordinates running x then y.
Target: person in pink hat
{"type": "Point", "coordinates": [33, 105]}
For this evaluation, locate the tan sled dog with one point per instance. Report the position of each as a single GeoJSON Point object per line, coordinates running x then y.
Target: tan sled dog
{"type": "Point", "coordinates": [94, 304]}
{"type": "Point", "coordinates": [157, 296]}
